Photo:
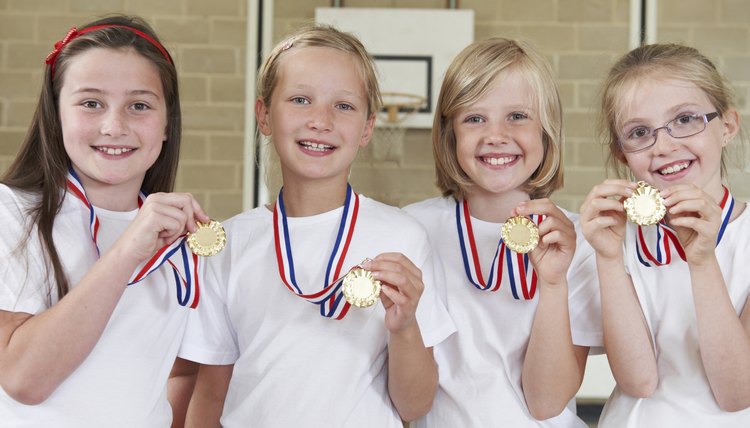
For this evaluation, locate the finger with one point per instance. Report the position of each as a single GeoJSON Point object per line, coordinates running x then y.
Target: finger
{"type": "Point", "coordinates": [541, 207]}
{"type": "Point", "coordinates": [395, 296]}
{"type": "Point", "coordinates": [388, 260]}
{"type": "Point", "coordinates": [702, 207]}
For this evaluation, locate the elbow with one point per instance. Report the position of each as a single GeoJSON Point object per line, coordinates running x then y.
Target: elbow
{"type": "Point", "coordinates": [24, 393]}
{"type": "Point", "coordinates": [544, 409]}
{"type": "Point", "coordinates": [415, 413]}
{"type": "Point", "coordinates": [733, 404]}
{"type": "Point", "coordinates": [639, 389]}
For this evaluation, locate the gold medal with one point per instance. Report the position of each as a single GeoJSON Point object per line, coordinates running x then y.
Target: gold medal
{"type": "Point", "coordinates": [360, 288]}
{"type": "Point", "coordinates": [208, 240]}
{"type": "Point", "coordinates": [646, 206]}
{"type": "Point", "coordinates": [520, 234]}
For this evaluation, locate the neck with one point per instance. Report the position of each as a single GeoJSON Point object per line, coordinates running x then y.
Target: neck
{"type": "Point", "coordinates": [307, 199]}
{"type": "Point", "coordinates": [123, 197]}
{"type": "Point", "coordinates": [494, 207]}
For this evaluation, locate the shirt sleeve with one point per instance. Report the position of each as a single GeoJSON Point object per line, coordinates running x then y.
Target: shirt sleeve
{"type": "Point", "coordinates": [210, 337]}
{"type": "Point", "coordinates": [583, 296]}
{"type": "Point", "coordinates": [25, 286]}
{"type": "Point", "coordinates": [434, 321]}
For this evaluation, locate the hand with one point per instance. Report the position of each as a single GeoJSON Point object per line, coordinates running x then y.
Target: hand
{"type": "Point", "coordinates": [160, 221]}
{"type": "Point", "coordinates": [401, 289]}
{"type": "Point", "coordinates": [557, 240]}
{"type": "Point", "coordinates": [603, 216]}
{"type": "Point", "coordinates": [696, 218]}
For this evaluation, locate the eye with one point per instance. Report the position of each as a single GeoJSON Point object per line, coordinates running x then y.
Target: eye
{"type": "Point", "coordinates": [299, 100]}
{"type": "Point", "coordinates": [141, 107]}
{"type": "Point", "coordinates": [345, 106]}
{"type": "Point", "coordinates": [91, 104]}
{"type": "Point", "coordinates": [474, 119]}
{"type": "Point", "coordinates": [685, 119]}
{"type": "Point", "coordinates": [517, 115]}
{"type": "Point", "coordinates": [638, 133]}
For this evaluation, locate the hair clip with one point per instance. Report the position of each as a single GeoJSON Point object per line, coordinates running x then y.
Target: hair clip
{"type": "Point", "coordinates": [72, 33]}
{"type": "Point", "coordinates": [289, 43]}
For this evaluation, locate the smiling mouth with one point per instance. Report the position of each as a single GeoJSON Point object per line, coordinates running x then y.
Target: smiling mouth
{"type": "Point", "coordinates": [113, 151]}
{"type": "Point", "coordinates": [494, 161]}
{"type": "Point", "coordinates": [315, 147]}
{"type": "Point", "coordinates": [673, 169]}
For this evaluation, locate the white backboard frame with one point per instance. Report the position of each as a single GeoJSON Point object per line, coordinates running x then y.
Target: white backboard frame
{"type": "Point", "coordinates": [412, 48]}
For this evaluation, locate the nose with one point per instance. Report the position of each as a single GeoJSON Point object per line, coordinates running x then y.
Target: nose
{"type": "Point", "coordinates": [114, 124]}
{"type": "Point", "coordinates": [664, 144]}
{"type": "Point", "coordinates": [321, 119]}
{"type": "Point", "coordinates": [497, 134]}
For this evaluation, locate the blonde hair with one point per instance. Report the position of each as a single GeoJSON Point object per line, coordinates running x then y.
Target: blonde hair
{"type": "Point", "coordinates": [321, 36]}
{"type": "Point", "coordinates": [468, 78]}
{"type": "Point", "coordinates": [656, 61]}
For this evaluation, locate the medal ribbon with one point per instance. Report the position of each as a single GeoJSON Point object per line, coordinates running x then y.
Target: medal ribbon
{"type": "Point", "coordinates": [519, 270]}
{"type": "Point", "coordinates": [666, 237]}
{"type": "Point", "coordinates": [187, 284]}
{"type": "Point", "coordinates": [330, 298]}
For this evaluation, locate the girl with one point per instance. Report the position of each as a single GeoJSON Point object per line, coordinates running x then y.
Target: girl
{"type": "Point", "coordinates": [284, 361]}
{"type": "Point", "coordinates": [674, 326]}
{"type": "Point", "coordinates": [520, 352]}
{"type": "Point", "coordinates": [78, 348]}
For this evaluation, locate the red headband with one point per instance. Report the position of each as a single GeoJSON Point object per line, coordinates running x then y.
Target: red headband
{"type": "Point", "coordinates": [74, 32]}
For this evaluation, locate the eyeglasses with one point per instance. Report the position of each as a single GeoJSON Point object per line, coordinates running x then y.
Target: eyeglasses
{"type": "Point", "coordinates": [685, 125]}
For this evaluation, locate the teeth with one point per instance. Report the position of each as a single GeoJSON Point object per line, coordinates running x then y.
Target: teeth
{"type": "Point", "coordinates": [316, 147]}
{"type": "Point", "coordinates": [674, 168]}
{"type": "Point", "coordinates": [115, 152]}
{"type": "Point", "coordinates": [498, 161]}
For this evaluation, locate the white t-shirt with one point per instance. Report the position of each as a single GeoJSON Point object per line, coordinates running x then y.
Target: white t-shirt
{"type": "Point", "coordinates": [683, 397]}
{"type": "Point", "coordinates": [123, 382]}
{"type": "Point", "coordinates": [292, 366]}
{"type": "Point", "coordinates": [480, 366]}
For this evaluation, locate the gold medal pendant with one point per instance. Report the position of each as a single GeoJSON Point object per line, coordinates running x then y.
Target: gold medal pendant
{"type": "Point", "coordinates": [208, 240]}
{"type": "Point", "coordinates": [360, 288]}
{"type": "Point", "coordinates": [520, 234]}
{"type": "Point", "coordinates": [646, 206]}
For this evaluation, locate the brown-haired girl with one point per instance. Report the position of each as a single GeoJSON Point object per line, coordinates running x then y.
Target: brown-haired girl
{"type": "Point", "coordinates": [78, 347]}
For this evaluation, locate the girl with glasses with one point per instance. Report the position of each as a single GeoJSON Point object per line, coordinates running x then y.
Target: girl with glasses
{"type": "Point", "coordinates": [674, 294]}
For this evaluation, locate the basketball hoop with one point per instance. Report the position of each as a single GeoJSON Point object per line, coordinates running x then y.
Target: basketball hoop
{"type": "Point", "coordinates": [390, 129]}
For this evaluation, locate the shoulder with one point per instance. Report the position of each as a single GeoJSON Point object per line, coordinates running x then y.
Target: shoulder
{"type": "Point", "coordinates": [15, 203]}
{"type": "Point", "coordinates": [431, 206]}
{"type": "Point", "coordinates": [387, 215]}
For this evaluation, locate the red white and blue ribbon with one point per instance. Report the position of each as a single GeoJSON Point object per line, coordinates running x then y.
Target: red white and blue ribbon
{"type": "Point", "coordinates": [330, 298]}
{"type": "Point", "coordinates": [666, 238]}
{"type": "Point", "coordinates": [518, 270]}
{"type": "Point", "coordinates": [185, 267]}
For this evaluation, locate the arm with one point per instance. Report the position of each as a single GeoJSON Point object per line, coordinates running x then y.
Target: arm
{"type": "Point", "coordinates": [38, 352]}
{"type": "Point", "coordinates": [553, 367]}
{"type": "Point", "coordinates": [412, 372]}
{"type": "Point", "coordinates": [209, 394]}
{"type": "Point", "coordinates": [626, 335]}
{"type": "Point", "coordinates": [180, 389]}
{"type": "Point", "coordinates": [723, 337]}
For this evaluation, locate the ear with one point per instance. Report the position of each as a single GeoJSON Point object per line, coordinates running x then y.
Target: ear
{"type": "Point", "coordinates": [731, 121]}
{"type": "Point", "coordinates": [367, 132]}
{"type": "Point", "coordinates": [262, 117]}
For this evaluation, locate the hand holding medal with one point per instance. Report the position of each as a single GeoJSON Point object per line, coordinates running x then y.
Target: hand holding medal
{"type": "Point", "coordinates": [360, 287]}
{"type": "Point", "coordinates": [646, 206]}
{"type": "Point", "coordinates": [208, 240]}
{"type": "Point", "coordinates": [401, 288]}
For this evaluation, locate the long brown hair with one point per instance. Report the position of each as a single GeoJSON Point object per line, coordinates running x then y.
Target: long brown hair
{"type": "Point", "coordinates": [41, 164]}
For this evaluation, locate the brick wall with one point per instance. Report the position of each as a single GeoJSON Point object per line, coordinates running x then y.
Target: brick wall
{"type": "Point", "coordinates": [581, 38]}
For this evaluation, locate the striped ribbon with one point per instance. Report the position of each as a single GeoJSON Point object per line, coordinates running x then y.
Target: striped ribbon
{"type": "Point", "coordinates": [520, 273]}
{"type": "Point", "coordinates": [331, 298]}
{"type": "Point", "coordinates": [185, 269]}
{"type": "Point", "coordinates": [666, 238]}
